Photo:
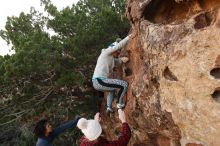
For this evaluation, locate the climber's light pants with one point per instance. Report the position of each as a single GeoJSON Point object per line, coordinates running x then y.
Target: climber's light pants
{"type": "Point", "coordinates": [110, 85]}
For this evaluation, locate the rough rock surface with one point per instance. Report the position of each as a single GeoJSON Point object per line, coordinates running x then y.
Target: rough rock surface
{"type": "Point", "coordinates": [174, 74]}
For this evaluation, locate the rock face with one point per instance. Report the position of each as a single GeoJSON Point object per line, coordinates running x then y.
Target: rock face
{"type": "Point", "coordinates": [174, 92]}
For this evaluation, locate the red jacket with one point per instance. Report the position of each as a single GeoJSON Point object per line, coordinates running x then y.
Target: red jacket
{"type": "Point", "coordinates": [123, 139]}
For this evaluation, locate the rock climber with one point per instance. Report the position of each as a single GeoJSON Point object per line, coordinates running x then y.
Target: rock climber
{"type": "Point", "coordinates": [107, 60]}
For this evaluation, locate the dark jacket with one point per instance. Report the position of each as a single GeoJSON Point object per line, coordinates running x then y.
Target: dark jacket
{"type": "Point", "coordinates": [47, 141]}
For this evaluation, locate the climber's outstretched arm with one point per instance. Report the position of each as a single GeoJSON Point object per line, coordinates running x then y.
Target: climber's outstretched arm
{"type": "Point", "coordinates": [120, 45]}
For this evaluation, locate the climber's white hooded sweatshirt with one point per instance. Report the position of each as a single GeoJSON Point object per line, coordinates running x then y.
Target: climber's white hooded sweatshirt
{"type": "Point", "coordinates": [106, 61]}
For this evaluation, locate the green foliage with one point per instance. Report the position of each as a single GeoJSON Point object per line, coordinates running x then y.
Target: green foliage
{"type": "Point", "coordinates": [26, 137]}
{"type": "Point", "coordinates": [35, 51]}
{"type": "Point", "coordinates": [89, 26]}
{"type": "Point", "coordinates": [86, 27]}
{"type": "Point", "coordinates": [70, 78]}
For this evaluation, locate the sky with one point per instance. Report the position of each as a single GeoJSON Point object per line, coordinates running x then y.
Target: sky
{"type": "Point", "coordinates": [15, 7]}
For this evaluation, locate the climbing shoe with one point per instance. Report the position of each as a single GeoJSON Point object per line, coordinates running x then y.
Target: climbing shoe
{"type": "Point", "coordinates": [109, 110]}
{"type": "Point", "coordinates": [120, 106]}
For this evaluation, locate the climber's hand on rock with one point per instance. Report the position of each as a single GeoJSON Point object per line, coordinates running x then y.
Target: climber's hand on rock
{"type": "Point", "coordinates": [97, 117]}
{"type": "Point", "coordinates": [121, 115]}
{"type": "Point", "coordinates": [124, 59]}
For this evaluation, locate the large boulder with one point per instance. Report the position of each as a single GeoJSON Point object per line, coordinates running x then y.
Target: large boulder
{"type": "Point", "coordinates": [174, 92]}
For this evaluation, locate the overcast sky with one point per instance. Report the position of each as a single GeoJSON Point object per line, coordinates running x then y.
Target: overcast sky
{"type": "Point", "coordinates": [15, 7]}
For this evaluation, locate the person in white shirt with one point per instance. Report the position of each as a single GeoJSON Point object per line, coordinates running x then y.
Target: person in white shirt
{"type": "Point", "coordinates": [106, 62]}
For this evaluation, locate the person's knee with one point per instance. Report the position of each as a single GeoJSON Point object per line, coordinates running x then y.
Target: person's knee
{"type": "Point", "coordinates": [125, 84]}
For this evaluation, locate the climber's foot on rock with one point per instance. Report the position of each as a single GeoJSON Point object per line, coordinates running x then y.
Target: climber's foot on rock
{"type": "Point", "coordinates": [109, 110]}
{"type": "Point", "coordinates": [120, 106]}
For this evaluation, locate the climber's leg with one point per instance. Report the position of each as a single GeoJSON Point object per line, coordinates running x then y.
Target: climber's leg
{"type": "Point", "coordinates": [121, 93]}
{"type": "Point", "coordinates": [112, 84]}
{"type": "Point", "coordinates": [110, 100]}
{"type": "Point", "coordinates": [110, 97]}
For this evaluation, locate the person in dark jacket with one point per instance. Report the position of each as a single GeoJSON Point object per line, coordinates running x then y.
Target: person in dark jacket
{"type": "Point", "coordinates": [92, 131]}
{"type": "Point", "coordinates": [46, 134]}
